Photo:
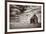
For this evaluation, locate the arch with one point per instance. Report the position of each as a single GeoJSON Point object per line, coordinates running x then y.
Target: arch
{"type": "Point", "coordinates": [34, 19]}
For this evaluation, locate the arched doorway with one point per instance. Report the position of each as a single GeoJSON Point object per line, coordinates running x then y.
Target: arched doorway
{"type": "Point", "coordinates": [34, 19]}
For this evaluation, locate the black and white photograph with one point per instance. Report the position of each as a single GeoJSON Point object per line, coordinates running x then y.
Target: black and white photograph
{"type": "Point", "coordinates": [24, 17]}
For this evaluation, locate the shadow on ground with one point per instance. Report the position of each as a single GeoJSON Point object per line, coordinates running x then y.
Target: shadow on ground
{"type": "Point", "coordinates": [22, 26]}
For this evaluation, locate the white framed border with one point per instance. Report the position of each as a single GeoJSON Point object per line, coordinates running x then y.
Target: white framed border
{"type": "Point", "coordinates": [30, 29]}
